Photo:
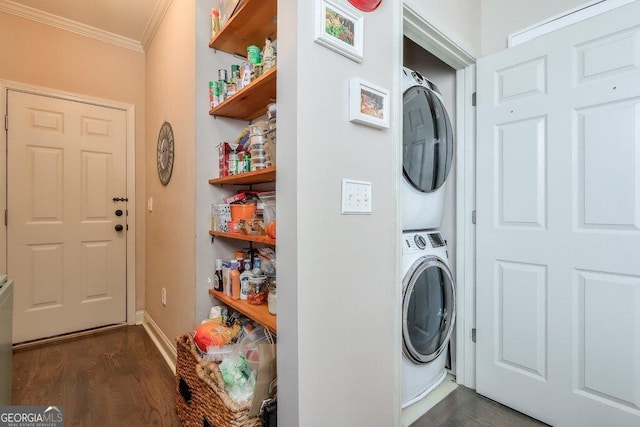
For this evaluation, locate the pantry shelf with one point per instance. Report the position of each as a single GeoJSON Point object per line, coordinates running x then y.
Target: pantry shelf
{"type": "Point", "coordinates": [259, 313]}
{"type": "Point", "coordinates": [251, 101]}
{"type": "Point", "coordinates": [239, 236]}
{"type": "Point", "coordinates": [254, 21]}
{"type": "Point", "coordinates": [247, 178]}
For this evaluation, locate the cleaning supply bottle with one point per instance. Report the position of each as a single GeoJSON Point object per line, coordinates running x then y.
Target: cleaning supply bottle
{"type": "Point", "coordinates": [217, 283]}
{"type": "Point", "coordinates": [244, 279]}
{"type": "Point", "coordinates": [235, 281]}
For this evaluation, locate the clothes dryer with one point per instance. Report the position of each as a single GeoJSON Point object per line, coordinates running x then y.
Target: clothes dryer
{"type": "Point", "coordinates": [427, 152]}
{"type": "Point", "coordinates": [428, 313]}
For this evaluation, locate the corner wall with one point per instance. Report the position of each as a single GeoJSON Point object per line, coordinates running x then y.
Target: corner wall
{"type": "Point", "coordinates": [338, 276]}
{"type": "Point", "coordinates": [170, 93]}
{"type": "Point", "coordinates": [41, 55]}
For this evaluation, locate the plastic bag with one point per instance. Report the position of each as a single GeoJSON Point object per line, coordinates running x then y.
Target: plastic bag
{"type": "Point", "coordinates": [214, 332]}
{"type": "Point", "coordinates": [239, 380]}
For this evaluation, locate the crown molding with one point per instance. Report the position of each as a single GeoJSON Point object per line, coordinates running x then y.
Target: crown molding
{"type": "Point", "coordinates": [46, 18]}
{"type": "Point", "coordinates": [154, 23]}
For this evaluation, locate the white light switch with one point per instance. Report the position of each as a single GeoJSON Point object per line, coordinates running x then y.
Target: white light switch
{"type": "Point", "coordinates": [356, 197]}
{"type": "Point", "coordinates": [150, 204]}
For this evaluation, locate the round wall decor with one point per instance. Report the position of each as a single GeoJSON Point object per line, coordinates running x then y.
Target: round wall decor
{"type": "Point", "coordinates": [366, 5]}
{"type": "Point", "coordinates": [165, 153]}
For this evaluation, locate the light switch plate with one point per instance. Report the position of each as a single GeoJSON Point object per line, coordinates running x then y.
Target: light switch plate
{"type": "Point", "coordinates": [356, 197]}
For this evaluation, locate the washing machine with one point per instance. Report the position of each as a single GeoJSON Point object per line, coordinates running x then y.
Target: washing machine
{"type": "Point", "coordinates": [428, 313]}
{"type": "Point", "coordinates": [427, 152]}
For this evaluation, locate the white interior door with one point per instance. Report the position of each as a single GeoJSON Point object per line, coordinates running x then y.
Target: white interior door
{"type": "Point", "coordinates": [66, 162]}
{"type": "Point", "coordinates": [558, 234]}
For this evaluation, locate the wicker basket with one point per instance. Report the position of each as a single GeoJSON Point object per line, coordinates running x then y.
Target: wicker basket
{"type": "Point", "coordinates": [188, 385]}
{"type": "Point", "coordinates": [201, 399]}
{"type": "Point", "coordinates": [218, 409]}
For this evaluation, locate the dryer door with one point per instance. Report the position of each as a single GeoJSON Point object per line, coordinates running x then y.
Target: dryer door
{"type": "Point", "coordinates": [427, 139]}
{"type": "Point", "coordinates": [428, 309]}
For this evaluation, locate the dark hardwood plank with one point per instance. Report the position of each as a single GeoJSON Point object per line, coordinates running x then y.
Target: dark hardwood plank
{"type": "Point", "coordinates": [464, 407]}
{"type": "Point", "coordinates": [113, 378]}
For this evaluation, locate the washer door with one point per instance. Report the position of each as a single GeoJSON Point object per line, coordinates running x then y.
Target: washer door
{"type": "Point", "coordinates": [428, 310]}
{"type": "Point", "coordinates": [427, 139]}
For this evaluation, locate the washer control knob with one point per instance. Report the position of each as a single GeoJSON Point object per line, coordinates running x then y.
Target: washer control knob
{"type": "Point", "coordinates": [421, 243]}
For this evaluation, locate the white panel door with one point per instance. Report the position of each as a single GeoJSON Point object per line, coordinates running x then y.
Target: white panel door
{"type": "Point", "coordinates": [66, 162]}
{"type": "Point", "coordinates": [558, 234]}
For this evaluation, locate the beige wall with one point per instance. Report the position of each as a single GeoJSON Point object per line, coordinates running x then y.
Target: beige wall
{"type": "Point", "coordinates": [45, 56]}
{"type": "Point", "coordinates": [170, 94]}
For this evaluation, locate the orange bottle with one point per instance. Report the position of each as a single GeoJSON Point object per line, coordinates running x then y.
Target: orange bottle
{"type": "Point", "coordinates": [234, 275]}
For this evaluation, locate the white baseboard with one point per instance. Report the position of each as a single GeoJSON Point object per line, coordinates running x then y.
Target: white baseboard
{"type": "Point", "coordinates": [139, 317]}
{"type": "Point", "coordinates": [164, 345]}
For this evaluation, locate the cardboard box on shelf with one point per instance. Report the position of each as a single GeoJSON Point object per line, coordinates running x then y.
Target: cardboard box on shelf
{"type": "Point", "coordinates": [224, 149]}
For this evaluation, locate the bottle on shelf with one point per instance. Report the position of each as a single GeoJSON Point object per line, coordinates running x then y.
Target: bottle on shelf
{"type": "Point", "coordinates": [256, 267]}
{"type": "Point", "coordinates": [235, 281]}
{"type": "Point", "coordinates": [217, 283]}
{"type": "Point", "coordinates": [244, 280]}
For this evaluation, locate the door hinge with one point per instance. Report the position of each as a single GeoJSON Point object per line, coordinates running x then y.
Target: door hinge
{"type": "Point", "coordinates": [473, 99]}
{"type": "Point", "coordinates": [6, 122]}
{"type": "Point", "coordinates": [473, 335]}
{"type": "Point", "coordinates": [473, 217]}
{"type": "Point", "coordinates": [6, 217]}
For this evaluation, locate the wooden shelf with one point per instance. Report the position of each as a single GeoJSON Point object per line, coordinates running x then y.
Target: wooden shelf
{"type": "Point", "coordinates": [259, 313]}
{"type": "Point", "coordinates": [256, 177]}
{"type": "Point", "coordinates": [254, 21]}
{"type": "Point", "coordinates": [239, 236]}
{"type": "Point", "coordinates": [251, 101]}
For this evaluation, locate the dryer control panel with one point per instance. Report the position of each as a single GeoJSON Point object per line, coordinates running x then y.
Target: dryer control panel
{"type": "Point", "coordinates": [419, 241]}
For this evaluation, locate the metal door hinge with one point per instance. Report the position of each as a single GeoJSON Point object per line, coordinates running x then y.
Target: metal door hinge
{"type": "Point", "coordinates": [473, 99]}
{"type": "Point", "coordinates": [473, 335]}
{"type": "Point", "coordinates": [6, 122]}
{"type": "Point", "coordinates": [473, 217]}
{"type": "Point", "coordinates": [6, 217]}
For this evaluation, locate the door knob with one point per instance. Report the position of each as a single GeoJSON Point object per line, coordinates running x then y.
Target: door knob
{"type": "Point", "coordinates": [119, 212]}
{"type": "Point", "coordinates": [119, 227]}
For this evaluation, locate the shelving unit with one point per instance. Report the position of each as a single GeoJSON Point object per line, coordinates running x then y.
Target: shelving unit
{"type": "Point", "coordinates": [259, 313]}
{"type": "Point", "coordinates": [256, 177]}
{"type": "Point", "coordinates": [251, 101]}
{"type": "Point", "coordinates": [247, 238]}
{"type": "Point", "coordinates": [252, 23]}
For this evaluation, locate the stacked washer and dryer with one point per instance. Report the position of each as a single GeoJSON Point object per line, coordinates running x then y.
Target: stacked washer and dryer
{"type": "Point", "coordinates": [428, 293]}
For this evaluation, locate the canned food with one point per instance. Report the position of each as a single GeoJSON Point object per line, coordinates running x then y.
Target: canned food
{"type": "Point", "coordinates": [253, 54]}
{"type": "Point", "coordinates": [222, 74]}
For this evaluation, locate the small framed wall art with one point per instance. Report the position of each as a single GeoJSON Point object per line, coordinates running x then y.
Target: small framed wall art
{"type": "Point", "coordinates": [339, 28]}
{"type": "Point", "coordinates": [368, 104]}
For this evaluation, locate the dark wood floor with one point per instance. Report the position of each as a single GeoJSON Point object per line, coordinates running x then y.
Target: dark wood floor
{"type": "Point", "coordinates": [114, 378]}
{"type": "Point", "coordinates": [464, 407]}
{"type": "Point", "coordinates": [118, 378]}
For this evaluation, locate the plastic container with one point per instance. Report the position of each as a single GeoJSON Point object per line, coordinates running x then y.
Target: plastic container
{"type": "Point", "coordinates": [233, 227]}
{"type": "Point", "coordinates": [239, 211]}
{"type": "Point", "coordinates": [268, 198]}
{"type": "Point", "coordinates": [272, 301]}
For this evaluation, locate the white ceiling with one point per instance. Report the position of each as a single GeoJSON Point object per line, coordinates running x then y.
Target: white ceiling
{"type": "Point", "coordinates": [130, 23]}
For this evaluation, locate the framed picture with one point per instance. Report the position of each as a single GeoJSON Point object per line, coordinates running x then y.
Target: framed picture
{"type": "Point", "coordinates": [339, 28]}
{"type": "Point", "coordinates": [368, 104]}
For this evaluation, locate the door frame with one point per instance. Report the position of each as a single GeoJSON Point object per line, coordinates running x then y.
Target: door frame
{"type": "Point", "coordinates": [426, 34]}
{"type": "Point", "coordinates": [129, 109]}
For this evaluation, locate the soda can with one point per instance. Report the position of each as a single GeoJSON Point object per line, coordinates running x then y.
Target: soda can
{"type": "Point", "coordinates": [222, 74]}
